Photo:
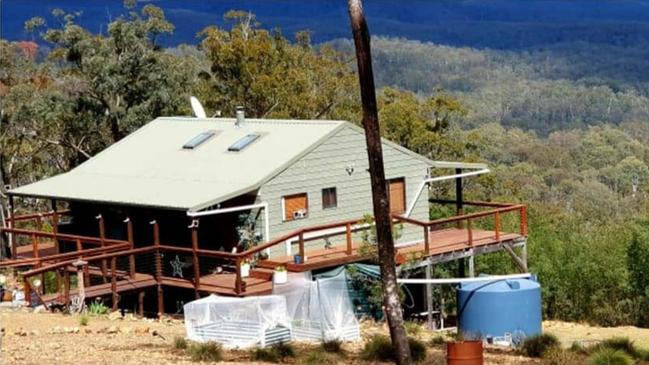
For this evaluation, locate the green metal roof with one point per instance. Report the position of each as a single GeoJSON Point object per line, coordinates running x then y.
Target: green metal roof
{"type": "Point", "coordinates": [150, 167]}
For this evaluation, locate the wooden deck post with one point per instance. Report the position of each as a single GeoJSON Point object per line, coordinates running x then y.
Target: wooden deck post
{"type": "Point", "coordinates": [348, 236]}
{"type": "Point", "coordinates": [102, 241]}
{"type": "Point", "coordinates": [238, 281]}
{"type": "Point", "coordinates": [195, 261]}
{"type": "Point", "coordinates": [523, 221]}
{"type": "Point", "coordinates": [57, 247]}
{"type": "Point", "coordinates": [113, 282]}
{"type": "Point", "coordinates": [158, 267]}
{"type": "Point", "coordinates": [12, 224]}
{"type": "Point", "coordinates": [35, 246]}
{"type": "Point", "coordinates": [426, 241]}
{"type": "Point", "coordinates": [469, 232]}
{"type": "Point", "coordinates": [140, 303]}
{"type": "Point", "coordinates": [66, 286]}
{"type": "Point", "coordinates": [131, 257]}
{"type": "Point", "coordinates": [55, 226]}
{"type": "Point", "coordinates": [35, 240]}
{"type": "Point", "coordinates": [497, 225]}
{"type": "Point", "coordinates": [301, 243]}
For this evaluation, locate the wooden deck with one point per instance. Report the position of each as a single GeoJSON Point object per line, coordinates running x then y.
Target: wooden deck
{"type": "Point", "coordinates": [441, 242]}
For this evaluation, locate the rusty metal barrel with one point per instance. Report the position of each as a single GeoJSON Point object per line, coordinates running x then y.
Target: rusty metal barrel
{"type": "Point", "coordinates": [464, 353]}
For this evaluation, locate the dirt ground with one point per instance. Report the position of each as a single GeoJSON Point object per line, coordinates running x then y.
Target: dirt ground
{"type": "Point", "coordinates": [570, 332]}
{"type": "Point", "coordinates": [46, 338]}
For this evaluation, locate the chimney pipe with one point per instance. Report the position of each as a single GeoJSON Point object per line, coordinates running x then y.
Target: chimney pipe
{"type": "Point", "coordinates": [241, 117]}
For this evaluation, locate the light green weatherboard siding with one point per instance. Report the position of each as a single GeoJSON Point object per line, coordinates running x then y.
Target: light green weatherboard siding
{"type": "Point", "coordinates": [325, 167]}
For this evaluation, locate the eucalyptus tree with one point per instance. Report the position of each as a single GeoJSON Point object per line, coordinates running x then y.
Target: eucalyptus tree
{"type": "Point", "coordinates": [271, 76]}
{"type": "Point", "coordinates": [114, 83]}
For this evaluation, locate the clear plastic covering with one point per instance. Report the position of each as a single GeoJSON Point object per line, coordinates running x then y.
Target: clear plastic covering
{"type": "Point", "coordinates": [320, 309]}
{"type": "Point", "coordinates": [238, 322]}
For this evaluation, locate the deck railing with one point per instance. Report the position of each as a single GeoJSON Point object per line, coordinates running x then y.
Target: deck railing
{"type": "Point", "coordinates": [106, 250]}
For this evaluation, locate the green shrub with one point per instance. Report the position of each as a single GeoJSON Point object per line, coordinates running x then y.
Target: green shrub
{"type": "Point", "coordinates": [333, 346]}
{"type": "Point", "coordinates": [579, 348]}
{"type": "Point", "coordinates": [559, 356]}
{"type": "Point", "coordinates": [412, 328]}
{"type": "Point", "coordinates": [609, 356]}
{"type": "Point", "coordinates": [208, 351]}
{"type": "Point", "coordinates": [437, 340]}
{"type": "Point", "coordinates": [274, 353]}
{"type": "Point", "coordinates": [622, 344]}
{"type": "Point", "coordinates": [97, 308]}
{"type": "Point", "coordinates": [643, 354]}
{"type": "Point", "coordinates": [83, 320]}
{"type": "Point", "coordinates": [318, 357]}
{"type": "Point", "coordinates": [536, 346]}
{"type": "Point", "coordinates": [417, 350]}
{"type": "Point", "coordinates": [180, 343]}
{"type": "Point", "coordinates": [379, 348]}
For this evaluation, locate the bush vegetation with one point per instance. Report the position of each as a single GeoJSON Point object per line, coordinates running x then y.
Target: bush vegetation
{"type": "Point", "coordinates": [274, 353]}
{"type": "Point", "coordinates": [333, 346]}
{"type": "Point", "coordinates": [537, 346]}
{"type": "Point", "coordinates": [208, 351]}
{"type": "Point", "coordinates": [180, 343]}
{"type": "Point", "coordinates": [379, 348]}
{"type": "Point", "coordinates": [83, 320]}
{"type": "Point", "coordinates": [610, 356]}
{"type": "Point", "coordinates": [97, 308]}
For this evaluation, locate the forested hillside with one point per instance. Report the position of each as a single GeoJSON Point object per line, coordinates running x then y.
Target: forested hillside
{"type": "Point", "coordinates": [545, 89]}
{"type": "Point", "coordinates": [564, 128]}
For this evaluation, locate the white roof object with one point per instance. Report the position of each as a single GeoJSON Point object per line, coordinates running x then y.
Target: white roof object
{"type": "Point", "coordinates": [150, 167]}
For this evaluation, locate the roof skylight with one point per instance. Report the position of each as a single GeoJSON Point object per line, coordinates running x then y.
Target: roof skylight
{"type": "Point", "coordinates": [198, 140]}
{"type": "Point", "coordinates": [243, 142]}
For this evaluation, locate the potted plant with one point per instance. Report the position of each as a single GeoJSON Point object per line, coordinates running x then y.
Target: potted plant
{"type": "Point", "coordinates": [245, 269]}
{"type": "Point", "coordinates": [466, 349]}
{"type": "Point", "coordinates": [280, 276]}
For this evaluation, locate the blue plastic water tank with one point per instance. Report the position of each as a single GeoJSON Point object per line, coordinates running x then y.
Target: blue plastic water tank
{"type": "Point", "coordinates": [494, 308]}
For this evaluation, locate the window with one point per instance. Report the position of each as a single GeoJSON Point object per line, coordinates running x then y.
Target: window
{"type": "Point", "coordinates": [199, 140]}
{"type": "Point", "coordinates": [397, 195]}
{"type": "Point", "coordinates": [329, 198]}
{"type": "Point", "coordinates": [243, 142]}
{"type": "Point", "coordinates": [295, 206]}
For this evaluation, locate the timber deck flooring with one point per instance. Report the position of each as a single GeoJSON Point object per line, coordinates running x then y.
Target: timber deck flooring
{"type": "Point", "coordinates": [45, 248]}
{"type": "Point", "coordinates": [140, 281]}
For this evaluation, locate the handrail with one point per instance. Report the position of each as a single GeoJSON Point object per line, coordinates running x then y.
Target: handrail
{"type": "Point", "coordinates": [26, 217]}
{"type": "Point", "coordinates": [61, 264]}
{"type": "Point", "coordinates": [84, 253]}
{"type": "Point", "coordinates": [461, 217]}
{"type": "Point", "coordinates": [477, 203]}
{"type": "Point", "coordinates": [60, 236]}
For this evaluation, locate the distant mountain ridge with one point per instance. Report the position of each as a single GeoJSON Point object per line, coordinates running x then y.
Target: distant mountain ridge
{"type": "Point", "coordinates": [500, 24]}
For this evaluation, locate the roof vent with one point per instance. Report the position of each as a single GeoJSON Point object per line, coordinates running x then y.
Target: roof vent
{"type": "Point", "coordinates": [241, 117]}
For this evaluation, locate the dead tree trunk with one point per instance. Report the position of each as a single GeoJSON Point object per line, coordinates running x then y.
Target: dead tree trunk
{"type": "Point", "coordinates": [385, 241]}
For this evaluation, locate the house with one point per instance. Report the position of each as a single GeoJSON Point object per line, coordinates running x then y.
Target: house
{"type": "Point", "coordinates": [185, 203]}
